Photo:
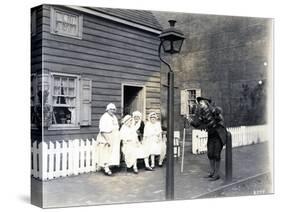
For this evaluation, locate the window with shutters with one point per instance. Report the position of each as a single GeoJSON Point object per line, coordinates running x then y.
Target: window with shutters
{"type": "Point", "coordinates": [70, 101]}
{"type": "Point", "coordinates": [66, 23]}
{"type": "Point", "coordinates": [188, 100]}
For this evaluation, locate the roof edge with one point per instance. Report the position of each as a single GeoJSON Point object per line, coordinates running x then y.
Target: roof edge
{"type": "Point", "coordinates": [116, 19]}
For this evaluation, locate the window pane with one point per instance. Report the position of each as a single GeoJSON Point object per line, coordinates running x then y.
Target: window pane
{"type": "Point", "coordinates": [64, 86]}
{"type": "Point", "coordinates": [57, 86]}
{"type": "Point", "coordinates": [191, 101]}
{"type": "Point", "coordinates": [62, 115]}
{"type": "Point", "coordinates": [56, 90]}
{"type": "Point", "coordinates": [71, 83]}
{"type": "Point", "coordinates": [71, 92]}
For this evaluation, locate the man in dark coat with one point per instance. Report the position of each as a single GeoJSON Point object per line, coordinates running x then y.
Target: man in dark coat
{"type": "Point", "coordinates": [209, 117]}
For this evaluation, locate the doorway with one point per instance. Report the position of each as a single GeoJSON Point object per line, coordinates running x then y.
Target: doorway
{"type": "Point", "coordinates": [133, 98]}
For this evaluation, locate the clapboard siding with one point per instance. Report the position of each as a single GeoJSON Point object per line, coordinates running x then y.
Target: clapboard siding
{"type": "Point", "coordinates": [116, 27]}
{"type": "Point", "coordinates": [98, 64]}
{"type": "Point", "coordinates": [137, 16]}
{"type": "Point", "coordinates": [59, 42]}
{"type": "Point", "coordinates": [99, 83]}
{"type": "Point", "coordinates": [101, 59]}
{"type": "Point", "coordinates": [109, 54]}
{"type": "Point", "coordinates": [119, 29]}
{"type": "Point", "coordinates": [109, 85]}
{"type": "Point", "coordinates": [97, 52]}
{"type": "Point", "coordinates": [102, 104]}
{"type": "Point", "coordinates": [76, 69]}
{"type": "Point", "coordinates": [109, 91]}
{"type": "Point", "coordinates": [89, 32]}
{"type": "Point", "coordinates": [153, 95]}
{"type": "Point", "coordinates": [109, 98]}
{"type": "Point", "coordinates": [36, 43]}
{"type": "Point", "coordinates": [107, 29]}
{"type": "Point", "coordinates": [110, 42]}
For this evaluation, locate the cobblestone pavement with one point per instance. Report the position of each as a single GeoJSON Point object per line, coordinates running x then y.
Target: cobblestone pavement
{"type": "Point", "coordinates": [96, 188]}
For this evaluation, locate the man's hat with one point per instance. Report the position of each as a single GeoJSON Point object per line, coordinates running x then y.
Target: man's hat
{"type": "Point", "coordinates": [203, 98]}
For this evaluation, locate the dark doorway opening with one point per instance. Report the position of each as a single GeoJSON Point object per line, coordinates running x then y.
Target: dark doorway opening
{"type": "Point", "coordinates": [133, 99]}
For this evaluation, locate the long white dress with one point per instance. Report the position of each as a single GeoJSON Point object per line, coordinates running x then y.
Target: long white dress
{"type": "Point", "coordinates": [132, 148]}
{"type": "Point", "coordinates": [105, 154]}
{"type": "Point", "coordinates": [153, 139]}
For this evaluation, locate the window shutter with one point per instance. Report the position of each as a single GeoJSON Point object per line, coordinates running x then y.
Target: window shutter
{"type": "Point", "coordinates": [184, 106]}
{"type": "Point", "coordinates": [86, 102]}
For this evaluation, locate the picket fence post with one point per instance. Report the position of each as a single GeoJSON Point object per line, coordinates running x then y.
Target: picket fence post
{"type": "Point", "coordinates": [241, 136]}
{"type": "Point", "coordinates": [75, 156]}
{"type": "Point", "coordinates": [44, 163]}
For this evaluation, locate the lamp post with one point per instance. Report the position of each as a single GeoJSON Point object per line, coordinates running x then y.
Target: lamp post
{"type": "Point", "coordinates": [171, 40]}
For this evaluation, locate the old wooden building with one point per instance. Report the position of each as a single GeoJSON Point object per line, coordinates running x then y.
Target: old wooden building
{"type": "Point", "coordinates": [84, 58]}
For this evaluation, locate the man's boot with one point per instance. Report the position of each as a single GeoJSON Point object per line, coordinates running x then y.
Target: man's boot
{"type": "Point", "coordinates": [216, 175]}
{"type": "Point", "coordinates": [212, 169]}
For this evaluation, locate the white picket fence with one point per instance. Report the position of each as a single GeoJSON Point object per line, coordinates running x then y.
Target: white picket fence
{"type": "Point", "coordinates": [241, 136]}
{"type": "Point", "coordinates": [55, 159]}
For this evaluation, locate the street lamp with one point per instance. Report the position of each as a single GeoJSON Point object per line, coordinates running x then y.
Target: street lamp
{"type": "Point", "coordinates": [171, 40]}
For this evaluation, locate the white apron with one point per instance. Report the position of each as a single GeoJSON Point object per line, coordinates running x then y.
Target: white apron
{"type": "Point", "coordinates": [131, 148]}
{"type": "Point", "coordinates": [153, 141]}
{"type": "Point", "coordinates": [108, 154]}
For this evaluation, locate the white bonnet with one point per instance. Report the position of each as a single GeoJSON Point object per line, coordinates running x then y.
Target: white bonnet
{"type": "Point", "coordinates": [110, 106]}
{"type": "Point", "coordinates": [126, 118]}
{"type": "Point", "coordinates": [137, 113]}
{"type": "Point", "coordinates": [152, 115]}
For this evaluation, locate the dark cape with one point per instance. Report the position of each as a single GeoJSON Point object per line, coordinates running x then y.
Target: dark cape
{"type": "Point", "coordinates": [210, 119]}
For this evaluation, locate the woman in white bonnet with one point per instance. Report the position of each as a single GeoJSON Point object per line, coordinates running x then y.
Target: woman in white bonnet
{"type": "Point", "coordinates": [153, 139]}
{"type": "Point", "coordinates": [108, 141]}
{"type": "Point", "coordinates": [143, 150]}
{"type": "Point", "coordinates": [129, 139]}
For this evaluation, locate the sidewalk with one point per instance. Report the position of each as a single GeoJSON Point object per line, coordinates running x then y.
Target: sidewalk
{"type": "Point", "coordinates": [248, 161]}
{"type": "Point", "coordinates": [96, 188]}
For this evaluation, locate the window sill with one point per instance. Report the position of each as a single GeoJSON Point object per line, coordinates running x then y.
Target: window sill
{"type": "Point", "coordinates": [64, 127]}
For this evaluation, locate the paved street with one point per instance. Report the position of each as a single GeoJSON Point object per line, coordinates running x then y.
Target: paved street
{"type": "Point", "coordinates": [95, 188]}
{"type": "Point", "coordinates": [248, 161]}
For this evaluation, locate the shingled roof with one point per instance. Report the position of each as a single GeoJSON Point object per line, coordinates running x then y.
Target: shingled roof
{"type": "Point", "coordinates": [142, 17]}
